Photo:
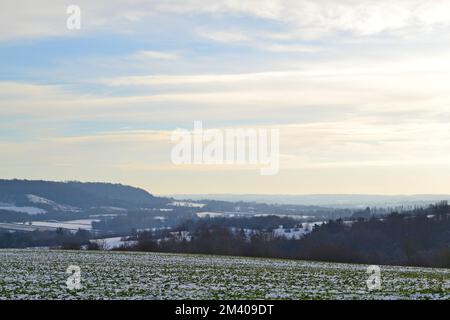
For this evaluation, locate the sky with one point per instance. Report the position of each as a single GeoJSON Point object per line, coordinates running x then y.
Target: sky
{"type": "Point", "coordinates": [359, 91]}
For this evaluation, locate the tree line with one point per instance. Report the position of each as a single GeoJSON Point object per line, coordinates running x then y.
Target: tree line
{"type": "Point", "coordinates": [419, 238]}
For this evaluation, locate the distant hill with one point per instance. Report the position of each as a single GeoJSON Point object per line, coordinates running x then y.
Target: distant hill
{"type": "Point", "coordinates": [71, 196]}
{"type": "Point", "coordinates": [328, 200]}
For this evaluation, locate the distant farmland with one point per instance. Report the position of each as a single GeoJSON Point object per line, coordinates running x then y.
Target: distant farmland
{"type": "Point", "coordinates": [41, 274]}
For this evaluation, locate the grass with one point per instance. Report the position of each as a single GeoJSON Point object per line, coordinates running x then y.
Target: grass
{"type": "Point", "coordinates": [40, 274]}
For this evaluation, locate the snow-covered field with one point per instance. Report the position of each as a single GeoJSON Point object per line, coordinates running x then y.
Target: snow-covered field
{"type": "Point", "coordinates": [83, 224]}
{"type": "Point", "coordinates": [210, 214]}
{"type": "Point", "coordinates": [38, 201]}
{"type": "Point", "coordinates": [28, 210]}
{"type": "Point", "coordinates": [296, 233]}
{"type": "Point", "coordinates": [113, 243]}
{"type": "Point", "coordinates": [41, 274]}
{"type": "Point", "coordinates": [72, 225]}
{"type": "Point", "coordinates": [55, 206]}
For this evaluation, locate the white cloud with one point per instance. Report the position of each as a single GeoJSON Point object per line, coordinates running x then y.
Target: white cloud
{"type": "Point", "coordinates": [291, 48]}
{"type": "Point", "coordinates": [201, 79]}
{"type": "Point", "coordinates": [148, 54]}
{"type": "Point", "coordinates": [324, 17]}
{"type": "Point", "coordinates": [257, 41]}
{"type": "Point", "coordinates": [308, 18]}
{"type": "Point", "coordinates": [224, 36]}
{"type": "Point", "coordinates": [417, 86]}
{"type": "Point", "coordinates": [10, 90]}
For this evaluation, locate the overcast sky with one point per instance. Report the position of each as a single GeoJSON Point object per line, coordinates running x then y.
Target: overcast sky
{"type": "Point", "coordinates": [358, 89]}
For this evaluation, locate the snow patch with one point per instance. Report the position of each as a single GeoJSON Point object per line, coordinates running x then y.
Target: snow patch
{"type": "Point", "coordinates": [113, 243]}
{"type": "Point", "coordinates": [55, 206]}
{"type": "Point", "coordinates": [28, 210]}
